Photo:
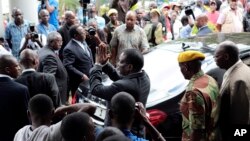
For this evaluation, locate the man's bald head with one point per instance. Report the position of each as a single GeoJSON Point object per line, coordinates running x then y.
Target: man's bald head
{"type": "Point", "coordinates": [29, 59]}
{"type": "Point", "coordinates": [202, 20]}
{"type": "Point", "coordinates": [130, 20]}
{"type": "Point", "coordinates": [70, 18]}
{"type": "Point", "coordinates": [226, 54]}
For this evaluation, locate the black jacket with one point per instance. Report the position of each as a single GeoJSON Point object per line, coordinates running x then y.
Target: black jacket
{"type": "Point", "coordinates": [14, 99]}
{"type": "Point", "coordinates": [41, 83]}
{"type": "Point", "coordinates": [136, 84]}
{"type": "Point", "coordinates": [77, 62]}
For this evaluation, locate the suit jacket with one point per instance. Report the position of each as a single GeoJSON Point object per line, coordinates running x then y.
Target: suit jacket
{"type": "Point", "coordinates": [77, 62]}
{"type": "Point", "coordinates": [64, 31]}
{"type": "Point", "coordinates": [235, 98]}
{"type": "Point", "coordinates": [136, 84]}
{"type": "Point", "coordinates": [41, 83]}
{"type": "Point", "coordinates": [50, 63]}
{"type": "Point", "coordinates": [14, 99]}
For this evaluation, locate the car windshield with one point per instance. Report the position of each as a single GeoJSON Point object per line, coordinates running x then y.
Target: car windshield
{"type": "Point", "coordinates": [207, 43]}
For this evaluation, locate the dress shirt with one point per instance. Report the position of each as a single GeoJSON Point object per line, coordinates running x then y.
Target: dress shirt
{"type": "Point", "coordinates": [3, 75]}
{"type": "Point", "coordinates": [83, 46]}
{"type": "Point", "coordinates": [229, 71]}
{"type": "Point", "coordinates": [30, 69]}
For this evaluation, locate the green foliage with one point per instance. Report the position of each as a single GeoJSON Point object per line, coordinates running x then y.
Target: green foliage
{"type": "Point", "coordinates": [68, 5]}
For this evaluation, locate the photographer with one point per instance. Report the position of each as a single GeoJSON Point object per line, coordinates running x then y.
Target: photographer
{"type": "Point", "coordinates": [94, 37]}
{"type": "Point", "coordinates": [32, 40]}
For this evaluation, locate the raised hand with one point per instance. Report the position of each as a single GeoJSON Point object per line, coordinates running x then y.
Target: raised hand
{"type": "Point", "coordinates": [102, 55]}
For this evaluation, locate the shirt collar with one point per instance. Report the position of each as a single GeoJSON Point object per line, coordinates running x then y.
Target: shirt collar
{"type": "Point", "coordinates": [132, 29]}
{"type": "Point", "coordinates": [30, 69]}
{"type": "Point", "coordinates": [231, 68]}
{"type": "Point", "coordinates": [78, 42]}
{"type": "Point", "coordinates": [202, 27]}
{"type": "Point", "coordinates": [197, 75]}
{"type": "Point", "coordinates": [4, 75]}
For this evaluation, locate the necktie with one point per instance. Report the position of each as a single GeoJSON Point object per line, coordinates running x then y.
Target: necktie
{"type": "Point", "coordinates": [85, 48]}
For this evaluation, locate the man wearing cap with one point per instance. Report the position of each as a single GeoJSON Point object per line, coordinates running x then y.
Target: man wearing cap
{"type": "Point", "coordinates": [112, 24]}
{"type": "Point", "coordinates": [199, 105]}
{"type": "Point", "coordinates": [153, 29]}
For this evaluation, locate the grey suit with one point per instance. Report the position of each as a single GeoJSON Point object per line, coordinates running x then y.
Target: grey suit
{"type": "Point", "coordinates": [77, 62]}
{"type": "Point", "coordinates": [50, 63]}
{"type": "Point", "coordinates": [235, 99]}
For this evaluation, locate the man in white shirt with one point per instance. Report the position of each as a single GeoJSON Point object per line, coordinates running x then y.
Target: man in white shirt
{"type": "Point", "coordinates": [231, 19]}
{"type": "Point", "coordinates": [41, 110]}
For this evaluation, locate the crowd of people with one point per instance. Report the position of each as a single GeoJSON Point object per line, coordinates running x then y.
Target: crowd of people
{"type": "Point", "coordinates": [42, 66]}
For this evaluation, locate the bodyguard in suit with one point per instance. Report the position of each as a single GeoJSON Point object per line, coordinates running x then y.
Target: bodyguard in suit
{"type": "Point", "coordinates": [50, 63]}
{"type": "Point", "coordinates": [129, 78]}
{"type": "Point", "coordinates": [235, 88]}
{"type": "Point", "coordinates": [14, 99]}
{"type": "Point", "coordinates": [37, 83]}
{"type": "Point", "coordinates": [64, 30]}
{"type": "Point", "coordinates": [77, 57]}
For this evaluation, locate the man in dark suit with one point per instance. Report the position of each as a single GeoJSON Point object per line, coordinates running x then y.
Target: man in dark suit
{"type": "Point", "coordinates": [235, 88]}
{"type": "Point", "coordinates": [14, 99]}
{"type": "Point", "coordinates": [130, 77]}
{"type": "Point", "coordinates": [38, 83]}
{"type": "Point", "coordinates": [64, 30]}
{"type": "Point", "coordinates": [50, 63]}
{"type": "Point", "coordinates": [77, 58]}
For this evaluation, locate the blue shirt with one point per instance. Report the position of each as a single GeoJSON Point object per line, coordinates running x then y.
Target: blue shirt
{"type": "Point", "coordinates": [185, 31]}
{"type": "Point", "coordinates": [131, 136]}
{"type": "Point", "coordinates": [42, 29]}
{"type": "Point", "coordinates": [203, 31]}
{"type": "Point", "coordinates": [100, 22]}
{"type": "Point", "coordinates": [15, 34]}
{"type": "Point", "coordinates": [53, 15]}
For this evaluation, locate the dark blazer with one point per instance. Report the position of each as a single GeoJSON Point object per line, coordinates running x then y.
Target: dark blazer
{"type": "Point", "coordinates": [41, 83]}
{"type": "Point", "coordinates": [136, 84]}
{"type": "Point", "coordinates": [64, 31]}
{"type": "Point", "coordinates": [235, 99]}
{"type": "Point", "coordinates": [50, 63]}
{"type": "Point", "coordinates": [14, 99]}
{"type": "Point", "coordinates": [77, 63]}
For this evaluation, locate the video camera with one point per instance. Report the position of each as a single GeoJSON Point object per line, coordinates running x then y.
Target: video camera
{"type": "Point", "coordinates": [189, 10]}
{"type": "Point", "coordinates": [91, 31]}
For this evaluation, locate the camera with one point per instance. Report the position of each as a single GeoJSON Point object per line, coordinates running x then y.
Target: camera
{"type": "Point", "coordinates": [34, 35]}
{"type": "Point", "coordinates": [189, 9]}
{"type": "Point", "coordinates": [91, 31]}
